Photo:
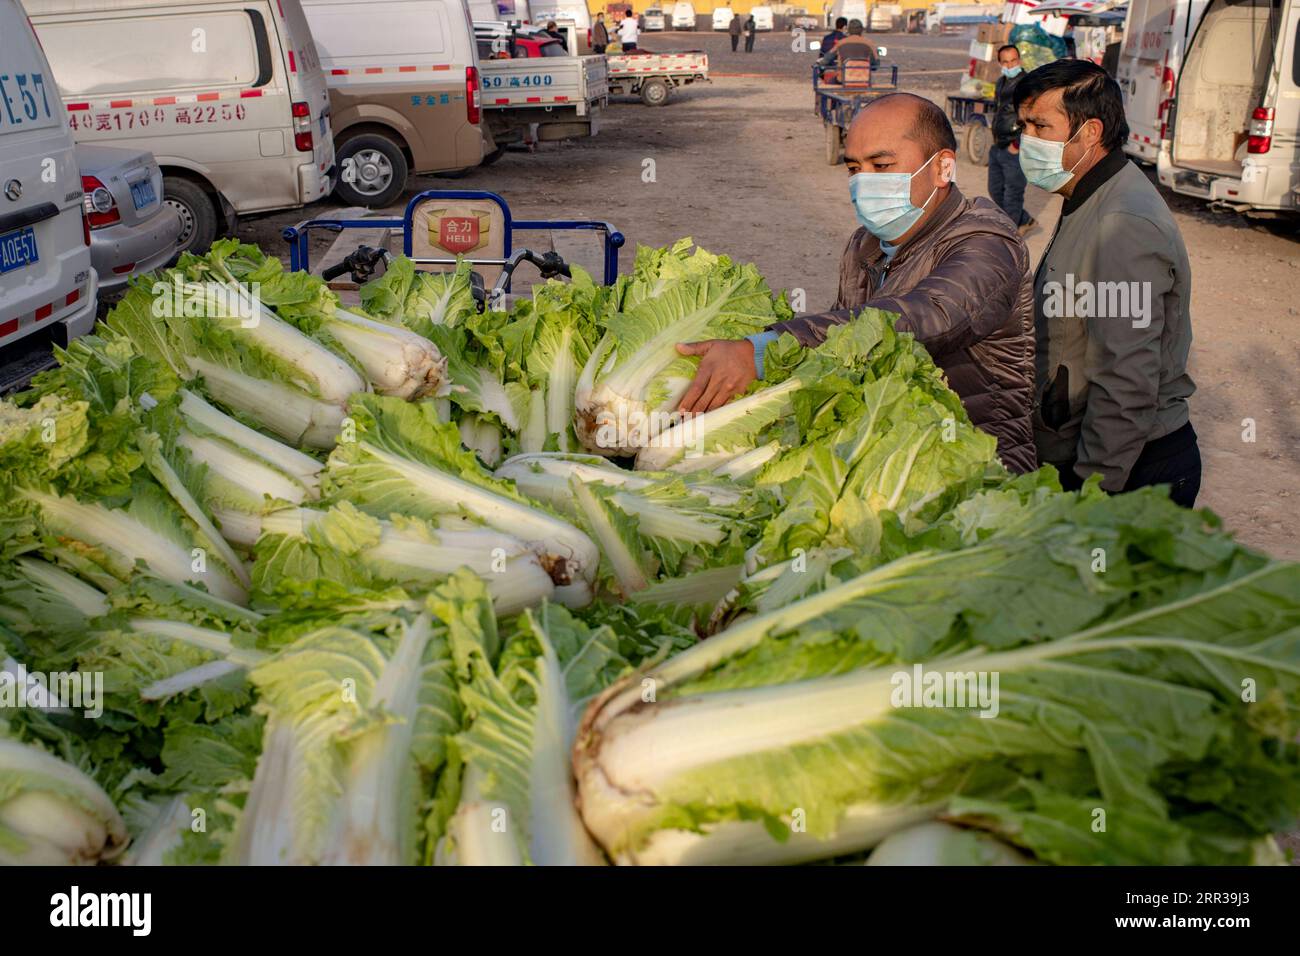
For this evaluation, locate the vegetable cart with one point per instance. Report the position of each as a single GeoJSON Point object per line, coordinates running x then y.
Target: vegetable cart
{"type": "Point", "coordinates": [439, 226]}
{"type": "Point", "coordinates": [837, 103]}
{"type": "Point", "coordinates": [975, 115]}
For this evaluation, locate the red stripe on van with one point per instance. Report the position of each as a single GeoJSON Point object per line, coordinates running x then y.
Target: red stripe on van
{"type": "Point", "coordinates": [72, 297]}
{"type": "Point", "coordinates": [249, 94]}
{"type": "Point", "coordinates": [44, 312]}
{"type": "Point", "coordinates": [532, 99]}
{"type": "Point", "coordinates": [407, 69]}
{"type": "Point", "coordinates": [9, 327]}
{"type": "Point", "coordinates": [441, 66]}
{"type": "Point", "coordinates": [561, 99]}
{"type": "Point", "coordinates": [118, 104]}
{"type": "Point", "coordinates": [338, 72]}
{"type": "Point", "coordinates": [164, 101]}
{"type": "Point", "coordinates": [207, 97]}
{"type": "Point", "coordinates": [374, 69]}
{"type": "Point", "coordinates": [280, 6]}
{"type": "Point", "coordinates": [501, 99]}
{"type": "Point", "coordinates": [293, 66]}
{"type": "Point", "coordinates": [75, 107]}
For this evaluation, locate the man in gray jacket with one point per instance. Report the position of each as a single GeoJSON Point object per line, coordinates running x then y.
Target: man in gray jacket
{"type": "Point", "coordinates": [1111, 296]}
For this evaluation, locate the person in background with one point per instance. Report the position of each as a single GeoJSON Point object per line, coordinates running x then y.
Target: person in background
{"type": "Point", "coordinates": [1112, 296]}
{"type": "Point", "coordinates": [855, 46]}
{"type": "Point", "coordinates": [835, 36]}
{"type": "Point", "coordinates": [599, 34]}
{"type": "Point", "coordinates": [954, 269]}
{"type": "Point", "coordinates": [750, 28]}
{"type": "Point", "coordinates": [627, 33]}
{"type": "Point", "coordinates": [553, 31]}
{"type": "Point", "coordinates": [1006, 180]}
{"type": "Point", "coordinates": [734, 29]}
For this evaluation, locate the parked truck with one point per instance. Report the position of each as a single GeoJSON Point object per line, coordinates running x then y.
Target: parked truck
{"type": "Point", "coordinates": [653, 76]}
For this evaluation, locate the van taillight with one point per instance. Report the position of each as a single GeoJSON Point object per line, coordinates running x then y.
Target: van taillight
{"type": "Point", "coordinates": [973, 64]}
{"type": "Point", "coordinates": [1167, 81]}
{"type": "Point", "coordinates": [99, 206]}
{"type": "Point", "coordinates": [85, 227]}
{"type": "Point", "coordinates": [472, 110]}
{"type": "Point", "coordinates": [1261, 130]}
{"type": "Point", "coordinates": [302, 139]}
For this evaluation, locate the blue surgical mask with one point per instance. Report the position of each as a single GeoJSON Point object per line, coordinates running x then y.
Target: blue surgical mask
{"type": "Point", "coordinates": [1011, 71]}
{"type": "Point", "coordinates": [1041, 162]}
{"type": "Point", "coordinates": [883, 202]}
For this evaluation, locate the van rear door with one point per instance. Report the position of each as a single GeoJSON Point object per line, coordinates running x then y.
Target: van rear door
{"type": "Point", "coordinates": [311, 98]}
{"type": "Point", "coordinates": [45, 272]}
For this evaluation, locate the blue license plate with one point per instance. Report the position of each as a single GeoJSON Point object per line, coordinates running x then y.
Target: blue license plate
{"type": "Point", "coordinates": [17, 249]}
{"type": "Point", "coordinates": [142, 193]}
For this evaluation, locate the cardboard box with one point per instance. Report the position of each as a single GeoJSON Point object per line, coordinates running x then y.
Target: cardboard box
{"type": "Point", "coordinates": [988, 71]}
{"type": "Point", "coordinates": [996, 33]}
{"type": "Point", "coordinates": [981, 51]}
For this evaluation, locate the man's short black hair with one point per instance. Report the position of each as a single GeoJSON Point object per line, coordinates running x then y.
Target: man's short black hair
{"type": "Point", "coordinates": [1006, 46]}
{"type": "Point", "coordinates": [841, 23]}
{"type": "Point", "coordinates": [1088, 92]}
{"type": "Point", "coordinates": [855, 27]}
{"type": "Point", "coordinates": [931, 129]}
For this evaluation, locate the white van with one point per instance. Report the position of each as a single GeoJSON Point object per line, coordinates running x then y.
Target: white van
{"type": "Point", "coordinates": [722, 18]}
{"type": "Point", "coordinates": [849, 9]}
{"type": "Point", "coordinates": [564, 12]}
{"type": "Point", "coordinates": [1156, 36]}
{"type": "Point", "coordinates": [227, 94]}
{"type": "Point", "coordinates": [46, 282]}
{"type": "Point", "coordinates": [683, 16]}
{"type": "Point", "coordinates": [405, 91]}
{"type": "Point", "coordinates": [763, 18]}
{"type": "Point", "coordinates": [1235, 130]}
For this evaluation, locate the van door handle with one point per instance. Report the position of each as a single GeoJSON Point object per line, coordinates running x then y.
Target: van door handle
{"type": "Point", "coordinates": [28, 217]}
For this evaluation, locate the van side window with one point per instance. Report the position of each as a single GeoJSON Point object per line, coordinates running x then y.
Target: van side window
{"type": "Point", "coordinates": [193, 50]}
{"type": "Point", "coordinates": [1295, 57]}
{"type": "Point", "coordinates": [265, 69]}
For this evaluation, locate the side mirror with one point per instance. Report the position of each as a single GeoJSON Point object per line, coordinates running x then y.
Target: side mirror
{"type": "Point", "coordinates": [814, 45]}
{"type": "Point", "coordinates": [882, 51]}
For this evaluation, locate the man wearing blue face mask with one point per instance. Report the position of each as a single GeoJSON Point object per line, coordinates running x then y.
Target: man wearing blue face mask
{"type": "Point", "coordinates": [954, 268]}
{"type": "Point", "coordinates": [1006, 179]}
{"type": "Point", "coordinates": [1111, 296]}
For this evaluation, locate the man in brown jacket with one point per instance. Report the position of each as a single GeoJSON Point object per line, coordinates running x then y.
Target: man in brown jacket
{"type": "Point", "coordinates": [954, 268]}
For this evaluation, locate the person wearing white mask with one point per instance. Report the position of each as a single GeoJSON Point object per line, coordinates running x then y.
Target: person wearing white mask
{"type": "Point", "coordinates": [954, 269]}
{"type": "Point", "coordinates": [1112, 296]}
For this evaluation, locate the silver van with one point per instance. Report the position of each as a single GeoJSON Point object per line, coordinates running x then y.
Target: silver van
{"type": "Point", "coordinates": [228, 96]}
{"type": "Point", "coordinates": [1235, 127]}
{"type": "Point", "coordinates": [47, 285]}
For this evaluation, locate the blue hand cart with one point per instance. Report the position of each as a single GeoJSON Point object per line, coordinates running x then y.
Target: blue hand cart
{"type": "Point", "coordinates": [837, 103]}
{"type": "Point", "coordinates": [464, 222]}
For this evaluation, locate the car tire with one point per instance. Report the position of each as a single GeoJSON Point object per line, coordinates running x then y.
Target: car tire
{"type": "Point", "coordinates": [379, 171]}
{"type": "Point", "coordinates": [198, 215]}
{"type": "Point", "coordinates": [655, 92]}
{"type": "Point", "coordinates": [978, 141]}
{"type": "Point", "coordinates": [493, 156]}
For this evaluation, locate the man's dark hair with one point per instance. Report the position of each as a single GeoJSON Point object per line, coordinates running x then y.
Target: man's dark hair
{"type": "Point", "coordinates": [931, 129]}
{"type": "Point", "coordinates": [1088, 92]}
{"type": "Point", "coordinates": [841, 23]}
{"type": "Point", "coordinates": [855, 28]}
{"type": "Point", "coordinates": [1007, 46]}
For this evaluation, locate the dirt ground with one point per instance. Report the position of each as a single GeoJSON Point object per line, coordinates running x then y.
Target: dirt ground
{"type": "Point", "coordinates": [738, 165]}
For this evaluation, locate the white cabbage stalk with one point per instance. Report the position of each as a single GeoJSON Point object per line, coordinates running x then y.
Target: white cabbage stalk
{"type": "Point", "coordinates": [694, 443]}
{"type": "Point", "coordinates": [289, 412]}
{"type": "Point", "coordinates": [942, 844]}
{"type": "Point", "coordinates": [281, 456]}
{"type": "Point", "coordinates": [482, 436]}
{"type": "Point", "coordinates": [371, 828]}
{"type": "Point", "coordinates": [511, 570]}
{"type": "Point", "coordinates": [532, 437]}
{"type": "Point", "coordinates": [51, 813]}
{"type": "Point", "coordinates": [86, 598]}
{"type": "Point", "coordinates": [568, 555]}
{"type": "Point", "coordinates": [163, 836]}
{"type": "Point", "coordinates": [187, 680]}
{"type": "Point", "coordinates": [396, 360]}
{"type": "Point", "coordinates": [125, 541]}
{"type": "Point", "coordinates": [745, 465]}
{"type": "Point", "coordinates": [621, 553]}
{"type": "Point", "coordinates": [545, 476]}
{"type": "Point", "coordinates": [473, 836]}
{"type": "Point", "coordinates": [322, 372]}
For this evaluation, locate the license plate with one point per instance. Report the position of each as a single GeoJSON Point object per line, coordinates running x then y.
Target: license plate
{"type": "Point", "coordinates": [142, 193]}
{"type": "Point", "coordinates": [17, 249]}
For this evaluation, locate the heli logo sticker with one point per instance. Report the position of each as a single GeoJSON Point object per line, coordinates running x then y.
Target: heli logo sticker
{"type": "Point", "coordinates": [458, 234]}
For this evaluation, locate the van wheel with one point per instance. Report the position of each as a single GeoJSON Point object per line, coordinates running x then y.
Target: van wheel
{"type": "Point", "coordinates": [655, 93]}
{"type": "Point", "coordinates": [198, 215]}
{"type": "Point", "coordinates": [493, 156]}
{"type": "Point", "coordinates": [375, 169]}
